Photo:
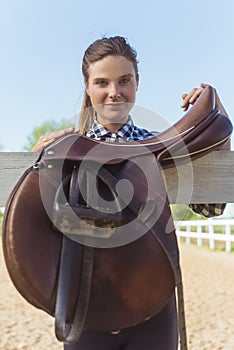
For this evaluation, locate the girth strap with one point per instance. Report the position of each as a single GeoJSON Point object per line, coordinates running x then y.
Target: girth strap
{"type": "Point", "coordinates": [70, 333]}
{"type": "Point", "coordinates": [64, 332]}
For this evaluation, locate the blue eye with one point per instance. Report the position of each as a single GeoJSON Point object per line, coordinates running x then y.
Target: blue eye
{"type": "Point", "coordinates": [124, 81]}
{"type": "Point", "coordinates": [101, 83]}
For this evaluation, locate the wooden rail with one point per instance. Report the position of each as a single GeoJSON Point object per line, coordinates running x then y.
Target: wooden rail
{"type": "Point", "coordinates": [209, 179]}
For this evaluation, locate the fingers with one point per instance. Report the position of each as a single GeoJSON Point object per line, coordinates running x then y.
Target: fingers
{"type": "Point", "coordinates": [190, 99]}
{"type": "Point", "coordinates": [44, 140]}
{"type": "Point", "coordinates": [192, 96]}
{"type": "Point", "coordinates": [203, 85]}
{"type": "Point", "coordinates": [50, 136]}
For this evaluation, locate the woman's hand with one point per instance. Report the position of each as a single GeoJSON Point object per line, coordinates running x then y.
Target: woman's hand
{"type": "Point", "coordinates": [44, 140]}
{"type": "Point", "coordinates": [191, 97]}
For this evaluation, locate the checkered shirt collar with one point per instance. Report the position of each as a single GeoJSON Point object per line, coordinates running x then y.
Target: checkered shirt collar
{"type": "Point", "coordinates": [99, 132]}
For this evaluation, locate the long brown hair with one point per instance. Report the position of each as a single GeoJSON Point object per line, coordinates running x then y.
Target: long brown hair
{"type": "Point", "coordinates": [113, 46]}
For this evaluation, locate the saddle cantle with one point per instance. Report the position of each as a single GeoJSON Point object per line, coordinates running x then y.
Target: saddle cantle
{"type": "Point", "coordinates": [110, 260]}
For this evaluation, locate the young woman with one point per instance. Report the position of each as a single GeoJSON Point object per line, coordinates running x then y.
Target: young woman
{"type": "Point", "coordinates": [111, 81]}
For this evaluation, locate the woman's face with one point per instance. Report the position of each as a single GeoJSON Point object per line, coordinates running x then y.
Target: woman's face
{"type": "Point", "coordinates": [112, 87]}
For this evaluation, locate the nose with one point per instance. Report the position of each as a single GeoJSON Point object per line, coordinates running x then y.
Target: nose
{"type": "Point", "coordinates": [114, 92]}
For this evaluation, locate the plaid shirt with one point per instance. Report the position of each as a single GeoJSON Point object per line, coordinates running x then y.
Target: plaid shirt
{"type": "Point", "coordinates": [127, 132]}
{"type": "Point", "coordinates": [130, 132]}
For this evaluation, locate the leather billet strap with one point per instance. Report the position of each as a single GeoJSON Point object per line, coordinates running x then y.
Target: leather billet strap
{"type": "Point", "coordinates": [70, 333]}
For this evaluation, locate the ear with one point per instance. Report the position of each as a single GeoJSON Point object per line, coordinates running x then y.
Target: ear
{"type": "Point", "coordinates": [137, 83]}
{"type": "Point", "coordinates": [87, 87]}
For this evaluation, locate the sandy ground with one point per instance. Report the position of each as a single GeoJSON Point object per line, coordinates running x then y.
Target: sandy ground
{"type": "Point", "coordinates": [209, 297]}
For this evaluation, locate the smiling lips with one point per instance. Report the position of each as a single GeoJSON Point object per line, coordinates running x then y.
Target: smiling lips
{"type": "Point", "coordinates": [114, 104]}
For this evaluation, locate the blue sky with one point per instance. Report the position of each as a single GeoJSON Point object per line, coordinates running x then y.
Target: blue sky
{"type": "Point", "coordinates": [179, 45]}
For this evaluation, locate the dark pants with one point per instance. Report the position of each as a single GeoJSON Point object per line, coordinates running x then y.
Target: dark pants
{"type": "Point", "coordinates": [158, 333]}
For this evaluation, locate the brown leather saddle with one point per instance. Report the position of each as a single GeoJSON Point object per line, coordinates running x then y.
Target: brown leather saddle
{"type": "Point", "coordinates": [88, 234]}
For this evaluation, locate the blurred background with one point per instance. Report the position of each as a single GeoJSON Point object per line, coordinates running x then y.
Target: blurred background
{"type": "Point", "coordinates": [179, 43]}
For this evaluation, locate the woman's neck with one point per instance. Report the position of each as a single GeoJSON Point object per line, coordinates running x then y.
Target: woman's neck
{"type": "Point", "coordinates": [113, 127]}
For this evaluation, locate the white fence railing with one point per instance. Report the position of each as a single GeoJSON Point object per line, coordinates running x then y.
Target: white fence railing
{"type": "Point", "coordinates": [205, 230]}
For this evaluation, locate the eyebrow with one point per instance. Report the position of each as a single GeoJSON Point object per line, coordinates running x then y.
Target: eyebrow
{"type": "Point", "coordinates": [128, 75]}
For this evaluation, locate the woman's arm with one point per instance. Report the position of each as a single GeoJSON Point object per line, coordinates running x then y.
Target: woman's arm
{"type": "Point", "coordinates": [208, 210]}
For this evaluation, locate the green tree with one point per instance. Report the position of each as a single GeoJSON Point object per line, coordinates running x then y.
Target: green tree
{"type": "Point", "coordinates": [183, 212]}
{"type": "Point", "coordinates": [47, 126]}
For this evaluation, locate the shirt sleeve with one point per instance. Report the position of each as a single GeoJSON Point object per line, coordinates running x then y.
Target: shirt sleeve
{"type": "Point", "coordinates": [208, 210]}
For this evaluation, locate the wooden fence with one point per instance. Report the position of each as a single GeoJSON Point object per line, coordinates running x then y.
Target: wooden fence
{"type": "Point", "coordinates": [209, 179]}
